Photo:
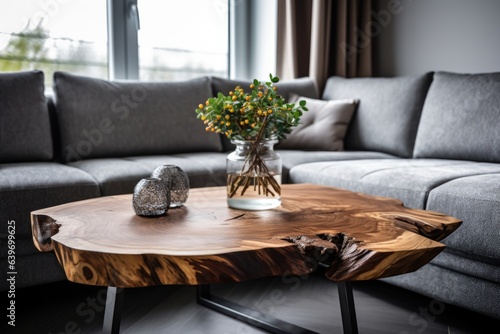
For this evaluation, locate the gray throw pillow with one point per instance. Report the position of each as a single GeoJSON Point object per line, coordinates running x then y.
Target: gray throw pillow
{"type": "Point", "coordinates": [322, 127]}
{"type": "Point", "coordinates": [25, 133]}
{"type": "Point", "coordinates": [99, 118]}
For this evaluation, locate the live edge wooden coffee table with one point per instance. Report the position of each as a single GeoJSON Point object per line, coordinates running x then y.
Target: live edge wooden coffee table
{"type": "Point", "coordinates": [356, 237]}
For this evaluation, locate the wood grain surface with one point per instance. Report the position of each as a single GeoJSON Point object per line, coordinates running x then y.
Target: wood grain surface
{"type": "Point", "coordinates": [103, 242]}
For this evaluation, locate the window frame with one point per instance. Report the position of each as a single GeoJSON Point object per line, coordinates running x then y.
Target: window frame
{"type": "Point", "coordinates": [251, 44]}
{"type": "Point", "coordinates": [123, 46]}
{"type": "Point", "coordinates": [245, 34]}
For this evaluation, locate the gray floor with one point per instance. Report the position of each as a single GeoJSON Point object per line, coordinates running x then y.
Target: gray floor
{"type": "Point", "coordinates": [311, 302]}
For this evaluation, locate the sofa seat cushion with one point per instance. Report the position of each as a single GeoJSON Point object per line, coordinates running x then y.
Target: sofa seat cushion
{"type": "Point", "coordinates": [209, 169]}
{"type": "Point", "coordinates": [36, 269]}
{"type": "Point", "coordinates": [388, 113]}
{"type": "Point", "coordinates": [25, 133]}
{"type": "Point", "coordinates": [120, 175]}
{"type": "Point", "coordinates": [25, 187]}
{"type": "Point", "coordinates": [292, 158]}
{"type": "Point", "coordinates": [206, 169]}
{"type": "Point", "coordinates": [409, 180]}
{"type": "Point", "coordinates": [461, 118]}
{"type": "Point", "coordinates": [475, 200]}
{"type": "Point", "coordinates": [452, 287]}
{"type": "Point", "coordinates": [102, 119]}
{"type": "Point", "coordinates": [464, 263]}
{"type": "Point", "coordinates": [114, 175]}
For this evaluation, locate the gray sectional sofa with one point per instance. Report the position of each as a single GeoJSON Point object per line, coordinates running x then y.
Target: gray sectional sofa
{"type": "Point", "coordinates": [430, 140]}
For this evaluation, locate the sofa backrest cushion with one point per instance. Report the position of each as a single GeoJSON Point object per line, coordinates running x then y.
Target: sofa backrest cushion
{"type": "Point", "coordinates": [322, 127]}
{"type": "Point", "coordinates": [461, 118]}
{"type": "Point", "coordinates": [388, 113]}
{"type": "Point", "coordinates": [305, 87]}
{"type": "Point", "coordinates": [302, 86]}
{"type": "Point", "coordinates": [100, 118]}
{"type": "Point", "coordinates": [25, 132]}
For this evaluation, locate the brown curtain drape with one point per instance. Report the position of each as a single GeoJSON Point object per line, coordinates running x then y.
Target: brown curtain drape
{"type": "Point", "coordinates": [321, 38]}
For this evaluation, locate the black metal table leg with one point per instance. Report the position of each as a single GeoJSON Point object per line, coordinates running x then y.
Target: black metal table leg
{"type": "Point", "coordinates": [115, 297]}
{"type": "Point", "coordinates": [347, 309]}
{"type": "Point", "coordinates": [113, 310]}
{"type": "Point", "coordinates": [250, 316]}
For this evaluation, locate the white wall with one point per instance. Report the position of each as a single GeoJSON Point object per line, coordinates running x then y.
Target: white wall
{"type": "Point", "coordinates": [428, 35]}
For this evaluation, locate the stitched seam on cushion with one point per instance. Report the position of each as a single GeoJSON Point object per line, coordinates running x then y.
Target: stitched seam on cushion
{"type": "Point", "coordinates": [410, 165]}
{"type": "Point", "coordinates": [433, 186]}
{"type": "Point", "coordinates": [457, 178]}
{"type": "Point", "coordinates": [475, 199]}
{"type": "Point", "coordinates": [461, 272]}
{"type": "Point", "coordinates": [378, 170]}
{"type": "Point", "coordinates": [486, 259]}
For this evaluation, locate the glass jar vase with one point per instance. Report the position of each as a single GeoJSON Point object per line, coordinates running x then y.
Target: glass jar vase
{"type": "Point", "coordinates": [254, 175]}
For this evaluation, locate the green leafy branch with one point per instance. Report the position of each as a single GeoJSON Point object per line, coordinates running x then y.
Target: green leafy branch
{"type": "Point", "coordinates": [254, 115]}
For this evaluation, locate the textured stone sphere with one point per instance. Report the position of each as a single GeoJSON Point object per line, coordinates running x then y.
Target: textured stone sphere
{"type": "Point", "coordinates": [151, 197]}
{"type": "Point", "coordinates": [176, 180]}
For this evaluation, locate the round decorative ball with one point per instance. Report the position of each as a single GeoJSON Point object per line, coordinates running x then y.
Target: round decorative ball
{"type": "Point", "coordinates": [176, 180]}
{"type": "Point", "coordinates": [151, 197]}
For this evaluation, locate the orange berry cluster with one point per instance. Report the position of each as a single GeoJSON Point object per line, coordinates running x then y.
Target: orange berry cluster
{"type": "Point", "coordinates": [254, 115]}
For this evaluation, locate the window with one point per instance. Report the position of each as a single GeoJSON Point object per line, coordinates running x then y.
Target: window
{"type": "Point", "coordinates": [177, 40]}
{"type": "Point", "coordinates": [182, 39]}
{"type": "Point", "coordinates": [139, 39]}
{"type": "Point", "coordinates": [54, 35]}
